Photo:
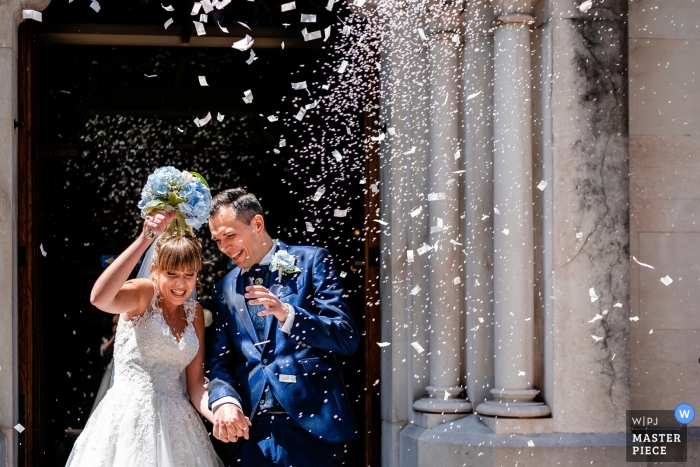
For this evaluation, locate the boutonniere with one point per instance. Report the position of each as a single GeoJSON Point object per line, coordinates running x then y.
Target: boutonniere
{"type": "Point", "coordinates": [283, 262]}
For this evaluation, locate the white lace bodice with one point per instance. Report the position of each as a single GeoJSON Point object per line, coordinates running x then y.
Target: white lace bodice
{"type": "Point", "coordinates": [148, 358]}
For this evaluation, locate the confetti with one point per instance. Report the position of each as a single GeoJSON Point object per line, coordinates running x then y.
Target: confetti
{"type": "Point", "coordinates": [472, 96]}
{"type": "Point", "coordinates": [343, 66]}
{"type": "Point", "coordinates": [475, 328]}
{"type": "Point", "coordinates": [436, 196]}
{"type": "Point", "coordinates": [521, 373]}
{"type": "Point", "coordinates": [168, 23]}
{"type": "Point", "coordinates": [421, 33]}
{"type": "Point", "coordinates": [579, 234]}
{"type": "Point", "coordinates": [530, 443]}
{"type": "Point", "coordinates": [203, 121]}
{"type": "Point", "coordinates": [43, 252]}
{"type": "Point", "coordinates": [200, 28]}
{"type": "Point", "coordinates": [634, 318]}
{"type": "Point", "coordinates": [95, 6]}
{"type": "Point", "coordinates": [596, 338]}
{"type": "Point", "coordinates": [409, 256]}
{"type": "Point", "coordinates": [410, 151]}
{"type": "Point", "coordinates": [642, 264]}
{"type": "Point", "coordinates": [379, 221]}
{"type": "Point", "coordinates": [244, 44]}
{"type": "Point", "coordinates": [340, 213]}
{"type": "Point", "coordinates": [343, 274]}
{"type": "Point", "coordinates": [359, 3]}
{"type": "Point", "coordinates": [336, 154]}
{"type": "Point", "coordinates": [651, 331]}
{"type": "Point", "coordinates": [666, 280]}
{"type": "Point", "coordinates": [446, 396]}
{"type": "Point", "coordinates": [248, 96]}
{"type": "Point", "coordinates": [36, 16]}
{"type": "Point", "coordinates": [330, 4]}
{"type": "Point", "coordinates": [596, 318]}
{"type": "Point", "coordinates": [617, 305]}
{"type": "Point", "coordinates": [195, 9]}
{"type": "Point", "coordinates": [455, 243]}
{"type": "Point", "coordinates": [244, 25]}
{"type": "Point", "coordinates": [222, 4]}
{"type": "Point", "coordinates": [585, 6]}
{"type": "Point", "coordinates": [203, 81]}
{"type": "Point", "coordinates": [203, 18]}
{"type": "Point", "coordinates": [299, 86]}
{"type": "Point", "coordinates": [415, 290]}
{"type": "Point", "coordinates": [418, 347]}
{"type": "Point", "coordinates": [542, 185]}
{"type": "Point", "coordinates": [167, 8]}
{"type": "Point", "coordinates": [219, 117]}
{"type": "Point", "coordinates": [309, 227]}
{"type": "Point", "coordinates": [308, 18]}
{"type": "Point", "coordinates": [593, 295]}
{"type": "Point", "coordinates": [319, 192]}
{"type": "Point", "coordinates": [456, 281]}
{"type": "Point", "coordinates": [283, 142]}
{"type": "Point", "coordinates": [505, 231]}
{"type": "Point", "coordinates": [424, 249]}
{"type": "Point", "coordinates": [383, 344]}
{"type": "Point", "coordinates": [261, 343]}
{"type": "Point", "coordinates": [19, 428]}
{"type": "Point", "coordinates": [252, 58]}
{"type": "Point", "coordinates": [207, 6]}
{"type": "Point", "coordinates": [223, 29]}
{"type": "Point", "coordinates": [288, 6]}
{"type": "Point", "coordinates": [300, 115]}
{"type": "Point", "coordinates": [272, 118]}
{"type": "Point", "coordinates": [481, 320]}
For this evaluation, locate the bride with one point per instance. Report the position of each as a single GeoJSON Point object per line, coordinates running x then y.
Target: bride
{"type": "Point", "coordinates": [146, 419]}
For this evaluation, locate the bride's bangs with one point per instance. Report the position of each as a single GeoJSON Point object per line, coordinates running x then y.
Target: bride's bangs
{"type": "Point", "coordinates": [180, 254]}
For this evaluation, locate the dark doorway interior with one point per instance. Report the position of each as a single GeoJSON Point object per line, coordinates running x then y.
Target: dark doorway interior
{"type": "Point", "coordinates": [105, 126]}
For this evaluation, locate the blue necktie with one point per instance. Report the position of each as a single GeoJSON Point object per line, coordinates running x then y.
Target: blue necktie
{"type": "Point", "coordinates": [256, 276]}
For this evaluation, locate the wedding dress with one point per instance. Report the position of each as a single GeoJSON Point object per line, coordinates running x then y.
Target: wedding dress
{"type": "Point", "coordinates": [146, 419]}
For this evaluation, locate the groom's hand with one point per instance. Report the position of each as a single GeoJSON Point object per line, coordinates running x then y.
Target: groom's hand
{"type": "Point", "coordinates": [230, 423]}
{"type": "Point", "coordinates": [259, 295]}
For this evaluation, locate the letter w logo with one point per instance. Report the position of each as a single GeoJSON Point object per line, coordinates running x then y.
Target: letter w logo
{"type": "Point", "coordinates": [684, 413]}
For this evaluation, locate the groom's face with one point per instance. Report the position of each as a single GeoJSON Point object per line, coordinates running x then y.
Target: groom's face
{"type": "Point", "coordinates": [243, 243]}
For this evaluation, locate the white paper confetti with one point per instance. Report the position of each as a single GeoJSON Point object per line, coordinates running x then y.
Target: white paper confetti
{"type": "Point", "coordinates": [456, 281]}
{"type": "Point", "coordinates": [530, 444]}
{"type": "Point", "coordinates": [261, 343]}
{"type": "Point", "coordinates": [579, 234]}
{"type": "Point", "coordinates": [300, 115]}
{"type": "Point", "coordinates": [309, 227]}
{"type": "Point", "coordinates": [244, 25]}
{"type": "Point", "coordinates": [410, 151]}
{"type": "Point", "coordinates": [203, 81]}
{"type": "Point", "coordinates": [585, 6]}
{"type": "Point", "coordinates": [359, 3]}
{"type": "Point", "coordinates": [340, 213]}
{"type": "Point", "coordinates": [272, 118]}
{"type": "Point", "coordinates": [223, 29]}
{"type": "Point", "coordinates": [299, 86]}
{"type": "Point", "coordinates": [283, 142]}
{"type": "Point", "coordinates": [409, 256]}
{"type": "Point", "coordinates": [288, 6]}
{"type": "Point", "coordinates": [505, 231]}
{"type": "Point", "coordinates": [343, 66]}
{"type": "Point", "coordinates": [252, 58]}
{"type": "Point", "coordinates": [383, 344]}
{"type": "Point", "coordinates": [421, 33]}
{"type": "Point", "coordinates": [475, 328]}
{"type": "Point", "coordinates": [330, 4]}
{"type": "Point", "coordinates": [418, 347]}
{"type": "Point", "coordinates": [436, 196]}
{"type": "Point", "coordinates": [542, 185]}
{"type": "Point", "coordinates": [19, 428]}
{"type": "Point", "coordinates": [41, 248]}
{"type": "Point", "coordinates": [423, 249]}
{"type": "Point", "coordinates": [642, 264]}
{"type": "Point", "coordinates": [337, 155]}
{"type": "Point", "coordinates": [168, 23]}
{"type": "Point", "coordinates": [455, 242]}
{"type": "Point", "coordinates": [319, 192]}
{"type": "Point", "coordinates": [207, 6]}
{"type": "Point", "coordinates": [617, 305]}
{"type": "Point", "coordinates": [379, 221]}
{"type": "Point", "coordinates": [203, 19]}
{"type": "Point", "coordinates": [308, 18]}
{"type": "Point", "coordinates": [472, 96]}
{"type": "Point", "coordinates": [309, 36]}
{"type": "Point", "coordinates": [343, 274]}
{"type": "Point", "coordinates": [666, 280]}
{"type": "Point", "coordinates": [651, 331]}
{"type": "Point", "coordinates": [167, 8]}
{"type": "Point", "coordinates": [248, 96]}
{"type": "Point", "coordinates": [415, 290]}
{"type": "Point", "coordinates": [593, 295]}
{"type": "Point", "coordinates": [596, 338]}
{"type": "Point", "coordinates": [199, 27]}
{"type": "Point", "coordinates": [219, 117]}
{"type": "Point", "coordinates": [32, 14]}
{"type": "Point", "coordinates": [521, 373]}
{"type": "Point", "coordinates": [634, 318]}
{"type": "Point", "coordinates": [244, 44]}
{"type": "Point", "coordinates": [596, 318]}
{"type": "Point", "coordinates": [203, 121]}
{"type": "Point", "coordinates": [195, 9]}
{"type": "Point", "coordinates": [222, 4]}
{"type": "Point", "coordinates": [481, 320]}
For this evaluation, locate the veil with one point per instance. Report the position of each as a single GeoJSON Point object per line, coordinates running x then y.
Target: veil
{"type": "Point", "coordinates": [147, 260]}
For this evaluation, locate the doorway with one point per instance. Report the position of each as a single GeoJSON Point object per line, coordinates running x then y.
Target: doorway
{"type": "Point", "coordinates": [104, 117]}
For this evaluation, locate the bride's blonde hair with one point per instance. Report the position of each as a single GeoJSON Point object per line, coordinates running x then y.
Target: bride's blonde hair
{"type": "Point", "coordinates": [177, 253]}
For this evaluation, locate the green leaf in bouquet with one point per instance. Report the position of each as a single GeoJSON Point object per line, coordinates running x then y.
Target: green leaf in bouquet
{"type": "Point", "coordinates": [154, 204]}
{"type": "Point", "coordinates": [174, 199]}
{"type": "Point", "coordinates": [201, 179]}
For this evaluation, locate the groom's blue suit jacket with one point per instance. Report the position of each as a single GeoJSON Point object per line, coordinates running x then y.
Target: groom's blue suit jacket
{"type": "Point", "coordinates": [323, 328]}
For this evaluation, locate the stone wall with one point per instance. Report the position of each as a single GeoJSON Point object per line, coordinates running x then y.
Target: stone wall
{"type": "Point", "coordinates": [664, 62]}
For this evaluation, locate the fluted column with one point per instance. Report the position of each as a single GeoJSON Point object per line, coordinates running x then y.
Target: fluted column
{"type": "Point", "coordinates": [513, 223]}
{"type": "Point", "coordinates": [444, 393]}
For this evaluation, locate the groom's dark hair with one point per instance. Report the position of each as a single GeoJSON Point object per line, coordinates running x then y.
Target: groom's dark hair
{"type": "Point", "coordinates": [245, 205]}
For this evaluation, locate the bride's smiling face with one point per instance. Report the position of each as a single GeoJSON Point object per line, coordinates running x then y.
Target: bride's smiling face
{"type": "Point", "coordinates": [176, 286]}
{"type": "Point", "coordinates": [244, 243]}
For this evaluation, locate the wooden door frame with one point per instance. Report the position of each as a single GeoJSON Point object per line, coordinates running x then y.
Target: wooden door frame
{"type": "Point", "coordinates": [29, 329]}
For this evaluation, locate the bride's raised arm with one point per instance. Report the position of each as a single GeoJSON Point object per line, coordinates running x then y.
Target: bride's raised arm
{"type": "Point", "coordinates": [111, 293]}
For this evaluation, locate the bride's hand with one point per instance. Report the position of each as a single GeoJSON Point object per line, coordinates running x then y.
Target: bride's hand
{"type": "Point", "coordinates": [157, 221]}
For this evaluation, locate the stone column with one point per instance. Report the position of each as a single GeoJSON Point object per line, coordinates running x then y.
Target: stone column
{"type": "Point", "coordinates": [446, 287]}
{"type": "Point", "coordinates": [513, 223]}
{"type": "Point", "coordinates": [477, 109]}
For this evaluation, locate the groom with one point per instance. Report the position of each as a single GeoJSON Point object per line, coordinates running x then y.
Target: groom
{"type": "Point", "coordinates": [281, 319]}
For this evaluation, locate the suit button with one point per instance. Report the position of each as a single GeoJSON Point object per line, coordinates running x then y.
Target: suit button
{"type": "Point", "coordinates": [264, 362]}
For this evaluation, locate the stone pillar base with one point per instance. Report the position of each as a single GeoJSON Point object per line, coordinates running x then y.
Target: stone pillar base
{"type": "Point", "coordinates": [443, 400]}
{"type": "Point", "coordinates": [514, 403]}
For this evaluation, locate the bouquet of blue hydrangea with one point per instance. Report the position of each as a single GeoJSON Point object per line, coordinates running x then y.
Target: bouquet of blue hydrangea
{"type": "Point", "coordinates": [185, 192]}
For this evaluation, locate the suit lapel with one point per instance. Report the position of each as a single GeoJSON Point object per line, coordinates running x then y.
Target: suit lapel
{"type": "Point", "coordinates": [234, 297]}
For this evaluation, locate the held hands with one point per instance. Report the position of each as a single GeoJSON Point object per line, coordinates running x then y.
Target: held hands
{"type": "Point", "coordinates": [157, 221]}
{"type": "Point", "coordinates": [259, 295]}
{"type": "Point", "coordinates": [230, 423]}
